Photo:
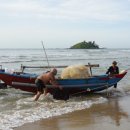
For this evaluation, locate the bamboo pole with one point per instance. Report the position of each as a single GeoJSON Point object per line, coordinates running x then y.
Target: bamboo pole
{"type": "Point", "coordinates": [45, 54]}
{"type": "Point", "coordinates": [62, 66]}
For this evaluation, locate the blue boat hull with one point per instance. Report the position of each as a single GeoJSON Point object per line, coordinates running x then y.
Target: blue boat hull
{"type": "Point", "coordinates": [26, 82]}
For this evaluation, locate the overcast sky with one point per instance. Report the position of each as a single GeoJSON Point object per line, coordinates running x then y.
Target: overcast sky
{"type": "Point", "coordinates": [62, 23]}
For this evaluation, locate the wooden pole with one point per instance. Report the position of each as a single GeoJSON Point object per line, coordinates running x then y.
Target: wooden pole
{"type": "Point", "coordinates": [45, 54]}
{"type": "Point", "coordinates": [63, 66]}
{"type": "Point", "coordinates": [90, 68]}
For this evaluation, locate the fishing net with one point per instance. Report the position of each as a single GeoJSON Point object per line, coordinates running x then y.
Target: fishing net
{"type": "Point", "coordinates": [75, 71]}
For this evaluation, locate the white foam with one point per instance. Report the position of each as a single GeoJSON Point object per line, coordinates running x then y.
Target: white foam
{"type": "Point", "coordinates": [40, 110]}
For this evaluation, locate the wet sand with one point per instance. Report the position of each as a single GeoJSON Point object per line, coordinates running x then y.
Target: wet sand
{"type": "Point", "coordinates": [114, 114]}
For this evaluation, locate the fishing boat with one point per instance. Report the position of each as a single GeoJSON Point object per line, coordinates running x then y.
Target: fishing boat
{"type": "Point", "coordinates": [26, 82]}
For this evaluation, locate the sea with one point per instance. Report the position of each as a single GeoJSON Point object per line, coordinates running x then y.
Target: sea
{"type": "Point", "coordinates": [18, 108]}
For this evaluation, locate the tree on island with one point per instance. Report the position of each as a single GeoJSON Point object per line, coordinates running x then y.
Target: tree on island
{"type": "Point", "coordinates": [85, 45]}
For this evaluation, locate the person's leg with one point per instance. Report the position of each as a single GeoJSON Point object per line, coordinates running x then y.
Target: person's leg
{"type": "Point", "coordinates": [45, 91]}
{"type": "Point", "coordinates": [39, 85]}
{"type": "Point", "coordinates": [37, 96]}
{"type": "Point", "coordinates": [115, 85]}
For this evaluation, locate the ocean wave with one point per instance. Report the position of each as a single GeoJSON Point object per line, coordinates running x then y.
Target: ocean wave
{"type": "Point", "coordinates": [40, 110]}
{"type": "Point", "coordinates": [18, 61]}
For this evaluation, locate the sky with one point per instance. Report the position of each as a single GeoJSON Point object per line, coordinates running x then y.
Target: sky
{"type": "Point", "coordinates": [63, 23]}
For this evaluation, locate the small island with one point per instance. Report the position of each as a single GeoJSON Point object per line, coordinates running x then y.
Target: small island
{"type": "Point", "coordinates": [85, 45]}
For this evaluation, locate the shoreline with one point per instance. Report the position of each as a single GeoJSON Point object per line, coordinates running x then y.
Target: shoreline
{"type": "Point", "coordinates": [113, 114]}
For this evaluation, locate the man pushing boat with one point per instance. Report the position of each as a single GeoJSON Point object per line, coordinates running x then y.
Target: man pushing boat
{"type": "Point", "coordinates": [44, 79]}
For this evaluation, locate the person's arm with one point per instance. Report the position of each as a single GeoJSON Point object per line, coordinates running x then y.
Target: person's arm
{"type": "Point", "coordinates": [108, 71]}
{"type": "Point", "coordinates": [54, 82]}
{"type": "Point", "coordinates": [117, 70]}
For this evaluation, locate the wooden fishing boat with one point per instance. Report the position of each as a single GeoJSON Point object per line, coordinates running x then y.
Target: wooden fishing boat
{"type": "Point", "coordinates": [26, 82]}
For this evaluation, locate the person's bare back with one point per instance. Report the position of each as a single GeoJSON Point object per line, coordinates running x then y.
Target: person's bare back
{"type": "Point", "coordinates": [43, 80]}
{"type": "Point", "coordinates": [48, 78]}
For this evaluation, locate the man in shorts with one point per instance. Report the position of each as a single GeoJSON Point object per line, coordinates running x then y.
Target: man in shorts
{"type": "Point", "coordinates": [42, 80]}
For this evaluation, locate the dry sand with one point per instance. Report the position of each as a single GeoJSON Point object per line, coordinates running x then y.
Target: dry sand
{"type": "Point", "coordinates": [111, 115]}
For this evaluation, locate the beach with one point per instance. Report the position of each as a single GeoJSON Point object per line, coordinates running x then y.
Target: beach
{"type": "Point", "coordinates": [114, 114]}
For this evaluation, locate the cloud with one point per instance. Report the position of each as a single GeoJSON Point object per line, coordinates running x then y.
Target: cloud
{"type": "Point", "coordinates": [102, 10]}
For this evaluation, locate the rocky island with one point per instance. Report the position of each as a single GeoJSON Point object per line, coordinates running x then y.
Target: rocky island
{"type": "Point", "coordinates": [85, 45]}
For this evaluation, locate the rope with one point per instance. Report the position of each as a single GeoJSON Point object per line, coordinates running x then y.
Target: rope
{"type": "Point", "coordinates": [79, 92]}
{"type": "Point", "coordinates": [89, 90]}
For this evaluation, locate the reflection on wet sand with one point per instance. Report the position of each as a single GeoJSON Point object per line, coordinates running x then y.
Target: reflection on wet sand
{"type": "Point", "coordinates": [116, 113]}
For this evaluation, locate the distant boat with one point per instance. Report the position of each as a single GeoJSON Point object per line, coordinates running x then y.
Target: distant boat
{"type": "Point", "coordinates": [26, 82]}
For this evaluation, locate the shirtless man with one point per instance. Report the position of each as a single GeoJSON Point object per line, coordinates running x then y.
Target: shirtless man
{"type": "Point", "coordinates": [43, 80]}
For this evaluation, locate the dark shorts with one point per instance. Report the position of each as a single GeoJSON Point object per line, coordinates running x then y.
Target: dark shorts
{"type": "Point", "coordinates": [40, 85]}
